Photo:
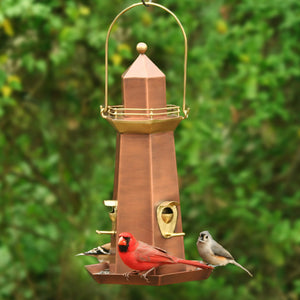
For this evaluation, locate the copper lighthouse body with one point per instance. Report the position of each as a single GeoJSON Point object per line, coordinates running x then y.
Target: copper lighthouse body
{"type": "Point", "coordinates": [146, 172]}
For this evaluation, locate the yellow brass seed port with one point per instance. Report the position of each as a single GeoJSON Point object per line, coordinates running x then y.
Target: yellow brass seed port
{"type": "Point", "coordinates": [166, 214]}
{"type": "Point", "coordinates": [167, 218]}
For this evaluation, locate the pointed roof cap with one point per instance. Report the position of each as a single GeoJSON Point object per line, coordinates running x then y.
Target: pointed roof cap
{"type": "Point", "coordinates": [143, 67]}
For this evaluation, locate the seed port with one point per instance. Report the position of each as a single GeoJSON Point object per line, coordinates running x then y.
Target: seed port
{"type": "Point", "coordinates": [167, 214]}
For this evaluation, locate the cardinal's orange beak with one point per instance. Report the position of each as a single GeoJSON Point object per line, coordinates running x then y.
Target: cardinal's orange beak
{"type": "Point", "coordinates": [122, 241]}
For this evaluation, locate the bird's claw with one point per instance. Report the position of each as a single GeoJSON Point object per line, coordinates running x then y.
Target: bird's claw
{"type": "Point", "coordinates": [145, 277]}
{"type": "Point", "coordinates": [127, 274]}
{"type": "Point", "coordinates": [142, 275]}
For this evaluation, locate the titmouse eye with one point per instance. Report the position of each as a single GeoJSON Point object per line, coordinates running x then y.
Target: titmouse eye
{"type": "Point", "coordinates": [203, 237]}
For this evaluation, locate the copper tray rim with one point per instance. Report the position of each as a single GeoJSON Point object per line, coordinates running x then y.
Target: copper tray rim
{"type": "Point", "coordinates": [191, 274]}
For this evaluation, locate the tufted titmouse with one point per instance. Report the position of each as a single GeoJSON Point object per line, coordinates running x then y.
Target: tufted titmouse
{"type": "Point", "coordinates": [213, 253]}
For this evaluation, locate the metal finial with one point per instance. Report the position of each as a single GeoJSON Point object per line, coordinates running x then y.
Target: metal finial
{"type": "Point", "coordinates": [141, 47]}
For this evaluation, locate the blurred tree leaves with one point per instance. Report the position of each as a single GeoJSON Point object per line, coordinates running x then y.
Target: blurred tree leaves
{"type": "Point", "coordinates": [238, 153]}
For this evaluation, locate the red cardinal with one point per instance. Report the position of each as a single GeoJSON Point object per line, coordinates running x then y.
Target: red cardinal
{"type": "Point", "coordinates": [140, 256]}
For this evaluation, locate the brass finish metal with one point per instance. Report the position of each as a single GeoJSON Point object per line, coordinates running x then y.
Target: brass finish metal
{"type": "Point", "coordinates": [141, 47]}
{"type": "Point", "coordinates": [111, 203]}
{"type": "Point", "coordinates": [100, 274]}
{"type": "Point", "coordinates": [167, 218]}
{"type": "Point", "coordinates": [166, 214]}
{"type": "Point", "coordinates": [169, 234]}
{"type": "Point", "coordinates": [147, 126]}
{"type": "Point", "coordinates": [119, 111]}
{"type": "Point", "coordinates": [184, 109]}
{"type": "Point", "coordinates": [112, 216]}
{"type": "Point", "coordinates": [113, 213]}
{"type": "Point", "coordinates": [105, 232]}
{"type": "Point", "coordinates": [169, 118]}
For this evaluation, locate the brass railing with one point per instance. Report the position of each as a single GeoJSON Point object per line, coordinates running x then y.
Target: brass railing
{"type": "Point", "coordinates": [119, 111]}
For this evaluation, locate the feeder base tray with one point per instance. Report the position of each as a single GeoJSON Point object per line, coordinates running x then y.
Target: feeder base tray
{"type": "Point", "coordinates": [100, 275]}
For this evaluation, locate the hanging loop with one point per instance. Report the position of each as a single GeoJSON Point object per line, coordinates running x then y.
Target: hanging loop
{"type": "Point", "coordinates": [143, 1]}
{"type": "Point", "coordinates": [148, 3]}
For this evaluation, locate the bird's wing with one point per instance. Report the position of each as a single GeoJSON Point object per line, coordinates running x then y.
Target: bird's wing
{"type": "Point", "coordinates": [220, 251]}
{"type": "Point", "coordinates": [159, 249]}
{"type": "Point", "coordinates": [106, 247]}
{"type": "Point", "coordinates": [147, 253]}
{"type": "Point", "coordinates": [97, 251]}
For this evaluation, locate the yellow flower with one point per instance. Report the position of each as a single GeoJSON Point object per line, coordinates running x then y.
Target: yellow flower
{"type": "Point", "coordinates": [8, 29]}
{"type": "Point", "coordinates": [6, 91]}
{"type": "Point", "coordinates": [222, 27]}
{"type": "Point", "coordinates": [84, 10]}
{"type": "Point", "coordinates": [13, 78]}
{"type": "Point", "coordinates": [116, 59]}
{"type": "Point", "coordinates": [123, 46]}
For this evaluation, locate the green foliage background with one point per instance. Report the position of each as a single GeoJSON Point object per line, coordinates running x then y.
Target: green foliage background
{"type": "Point", "coordinates": [238, 153]}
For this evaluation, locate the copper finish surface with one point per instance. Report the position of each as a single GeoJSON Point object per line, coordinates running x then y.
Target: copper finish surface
{"type": "Point", "coordinates": [188, 274]}
{"type": "Point", "coordinates": [144, 86]}
{"type": "Point", "coordinates": [146, 170]}
{"type": "Point", "coordinates": [146, 175]}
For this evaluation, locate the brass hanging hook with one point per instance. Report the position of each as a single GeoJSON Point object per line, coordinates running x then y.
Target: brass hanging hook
{"type": "Point", "coordinates": [145, 3]}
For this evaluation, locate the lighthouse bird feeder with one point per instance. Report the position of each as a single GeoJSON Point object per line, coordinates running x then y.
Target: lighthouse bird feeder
{"type": "Point", "coordinates": [146, 193]}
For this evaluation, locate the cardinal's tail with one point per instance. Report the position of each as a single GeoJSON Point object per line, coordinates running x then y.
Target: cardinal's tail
{"type": "Point", "coordinates": [237, 264]}
{"type": "Point", "coordinates": [193, 263]}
